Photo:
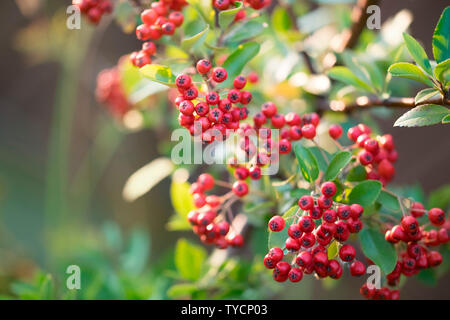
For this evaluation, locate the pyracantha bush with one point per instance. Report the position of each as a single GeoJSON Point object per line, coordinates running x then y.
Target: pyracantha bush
{"type": "Point", "coordinates": [94, 9]}
{"type": "Point", "coordinates": [328, 209]}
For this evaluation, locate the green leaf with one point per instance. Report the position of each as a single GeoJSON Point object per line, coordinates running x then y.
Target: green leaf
{"type": "Point", "coordinates": [160, 74]}
{"type": "Point", "coordinates": [182, 290]}
{"type": "Point", "coordinates": [441, 37]}
{"type": "Point", "coordinates": [418, 53]}
{"type": "Point", "coordinates": [144, 179]}
{"type": "Point", "coordinates": [426, 94]}
{"type": "Point", "coordinates": [428, 276]}
{"type": "Point", "coordinates": [423, 115]}
{"type": "Point", "coordinates": [204, 8]}
{"type": "Point", "coordinates": [377, 249]}
{"type": "Point", "coordinates": [193, 42]}
{"type": "Point", "coordinates": [332, 250]}
{"type": "Point", "coordinates": [244, 31]}
{"type": "Point", "coordinates": [189, 259]}
{"type": "Point", "coordinates": [388, 201]}
{"type": "Point", "coordinates": [440, 198]}
{"type": "Point", "coordinates": [365, 193]}
{"type": "Point", "coordinates": [181, 198]}
{"type": "Point", "coordinates": [277, 239]}
{"type": "Point", "coordinates": [281, 20]}
{"type": "Point", "coordinates": [339, 161]}
{"type": "Point", "coordinates": [446, 119]}
{"type": "Point", "coordinates": [226, 17]}
{"type": "Point", "coordinates": [322, 161]}
{"type": "Point", "coordinates": [137, 253]}
{"type": "Point", "coordinates": [442, 72]}
{"type": "Point", "coordinates": [409, 71]}
{"type": "Point", "coordinates": [299, 192]}
{"type": "Point", "coordinates": [357, 173]}
{"type": "Point", "coordinates": [346, 76]}
{"type": "Point", "coordinates": [307, 162]}
{"type": "Point", "coordinates": [238, 59]}
{"type": "Point", "coordinates": [178, 223]}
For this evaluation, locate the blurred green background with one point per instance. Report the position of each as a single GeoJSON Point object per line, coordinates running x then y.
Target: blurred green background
{"type": "Point", "coordinates": [64, 162]}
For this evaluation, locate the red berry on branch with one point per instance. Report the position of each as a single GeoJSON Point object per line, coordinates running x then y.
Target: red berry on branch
{"type": "Point", "coordinates": [357, 268]}
{"type": "Point", "coordinates": [328, 189]}
{"type": "Point", "coordinates": [203, 66]}
{"type": "Point", "coordinates": [335, 131]}
{"type": "Point", "coordinates": [219, 74]}
{"type": "Point", "coordinates": [436, 216]}
{"type": "Point", "coordinates": [276, 223]}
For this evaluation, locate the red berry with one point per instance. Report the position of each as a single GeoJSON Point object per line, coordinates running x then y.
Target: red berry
{"type": "Point", "coordinates": [236, 241]}
{"type": "Point", "coordinates": [295, 133]}
{"type": "Point", "coordinates": [240, 188]}
{"type": "Point", "coordinates": [387, 142]}
{"type": "Point", "coordinates": [292, 244]}
{"type": "Point", "coordinates": [219, 74]}
{"type": "Point", "coordinates": [255, 173]}
{"type": "Point", "coordinates": [269, 109]}
{"type": "Point", "coordinates": [294, 231]}
{"type": "Point", "coordinates": [176, 18]}
{"type": "Point", "coordinates": [295, 275]}
{"type": "Point", "coordinates": [202, 108]}
{"type": "Point", "coordinates": [436, 216]}
{"type": "Point", "coordinates": [307, 240]}
{"type": "Point", "coordinates": [246, 97]}
{"type": "Point", "coordinates": [356, 211]}
{"type": "Point", "coordinates": [183, 81]}
{"type": "Point", "coordinates": [306, 224]}
{"type": "Point", "coordinates": [190, 93]}
{"type": "Point", "coordinates": [328, 189]}
{"type": "Point", "coordinates": [357, 268]}
{"type": "Point", "coordinates": [186, 107]}
{"type": "Point", "coordinates": [315, 213]}
{"type": "Point", "coordinates": [222, 4]}
{"type": "Point", "coordinates": [277, 121]}
{"type": "Point", "coordinates": [353, 133]}
{"type": "Point", "coordinates": [372, 146]}
{"type": "Point", "coordinates": [324, 202]}
{"type": "Point", "coordinates": [304, 259]}
{"type": "Point", "coordinates": [269, 262]}
{"type": "Point", "coordinates": [168, 28]}
{"type": "Point", "coordinates": [206, 181]}
{"type": "Point", "coordinates": [410, 224]}
{"type": "Point", "coordinates": [329, 216]}
{"type": "Point", "coordinates": [241, 173]}
{"type": "Point", "coordinates": [276, 254]}
{"type": "Point", "coordinates": [284, 146]}
{"type": "Point", "coordinates": [344, 212]}
{"type": "Point", "coordinates": [417, 209]}
{"type": "Point", "coordinates": [149, 48]}
{"type": "Point", "coordinates": [309, 131]}
{"type": "Point", "coordinates": [335, 131]}
{"type": "Point", "coordinates": [203, 66]}
{"type": "Point", "coordinates": [365, 157]}
{"type": "Point", "coordinates": [143, 32]}
{"type": "Point", "coordinates": [239, 82]}
{"type": "Point", "coordinates": [347, 253]}
{"type": "Point", "coordinates": [306, 202]}
{"type": "Point", "coordinates": [293, 119]}
{"type": "Point", "coordinates": [276, 223]}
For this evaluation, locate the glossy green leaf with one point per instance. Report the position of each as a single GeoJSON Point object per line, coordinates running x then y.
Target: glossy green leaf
{"type": "Point", "coordinates": [423, 115]}
{"type": "Point", "coordinates": [189, 259]}
{"type": "Point", "coordinates": [332, 250]}
{"type": "Point", "coordinates": [346, 76]}
{"type": "Point", "coordinates": [299, 192]}
{"type": "Point", "coordinates": [409, 71]}
{"type": "Point", "coordinates": [238, 59]}
{"type": "Point", "coordinates": [160, 74]}
{"type": "Point", "coordinates": [418, 53]}
{"type": "Point", "coordinates": [426, 94]}
{"type": "Point", "coordinates": [280, 19]}
{"type": "Point", "coordinates": [339, 161]}
{"type": "Point", "coordinates": [365, 193]}
{"type": "Point", "coordinates": [377, 249]}
{"type": "Point", "coordinates": [245, 31]}
{"type": "Point", "coordinates": [441, 37]}
{"type": "Point", "coordinates": [277, 239]}
{"type": "Point", "coordinates": [226, 17]}
{"type": "Point", "coordinates": [446, 119]}
{"type": "Point", "coordinates": [322, 156]}
{"type": "Point", "coordinates": [442, 72]}
{"type": "Point", "coordinates": [193, 42]}
{"type": "Point", "coordinates": [204, 8]}
{"type": "Point", "coordinates": [388, 201]}
{"type": "Point", "coordinates": [357, 173]}
{"type": "Point", "coordinates": [181, 198]}
{"type": "Point", "coordinates": [440, 198]}
{"type": "Point", "coordinates": [307, 162]}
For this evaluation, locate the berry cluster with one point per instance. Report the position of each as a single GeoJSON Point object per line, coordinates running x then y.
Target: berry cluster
{"type": "Point", "coordinates": [209, 220]}
{"type": "Point", "coordinates": [377, 155]}
{"type": "Point", "coordinates": [215, 112]}
{"type": "Point", "coordinates": [94, 9]}
{"type": "Point", "coordinates": [309, 243]}
{"type": "Point", "coordinates": [415, 254]}
{"type": "Point", "coordinates": [255, 4]}
{"type": "Point", "coordinates": [110, 92]}
{"type": "Point", "coordinates": [163, 18]}
{"type": "Point", "coordinates": [383, 293]}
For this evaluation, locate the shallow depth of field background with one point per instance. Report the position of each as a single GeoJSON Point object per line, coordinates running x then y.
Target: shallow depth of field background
{"type": "Point", "coordinates": [35, 234]}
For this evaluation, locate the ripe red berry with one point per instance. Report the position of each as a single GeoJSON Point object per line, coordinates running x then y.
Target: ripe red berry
{"type": "Point", "coordinates": [292, 244]}
{"type": "Point", "coordinates": [203, 66]}
{"type": "Point", "coordinates": [241, 173]}
{"type": "Point", "coordinates": [255, 173]}
{"type": "Point", "coordinates": [329, 216]}
{"type": "Point", "coordinates": [410, 224]}
{"type": "Point", "coordinates": [239, 82]}
{"type": "Point", "coordinates": [212, 98]}
{"type": "Point", "coordinates": [143, 32]}
{"type": "Point", "coordinates": [387, 142]}
{"type": "Point", "coordinates": [183, 81]}
{"type": "Point", "coordinates": [277, 121]}
{"type": "Point", "coordinates": [324, 202]}
{"type": "Point", "coordinates": [436, 216]}
{"type": "Point", "coordinates": [353, 133]}
{"type": "Point", "coordinates": [295, 133]}
{"type": "Point", "coordinates": [365, 157]}
{"type": "Point", "coordinates": [246, 97]}
{"type": "Point", "coordinates": [284, 146]}
{"type": "Point", "coordinates": [149, 16]}
{"type": "Point", "coordinates": [240, 188]}
{"type": "Point", "coordinates": [269, 262]}
{"type": "Point", "coordinates": [309, 131]}
{"type": "Point", "coordinates": [306, 224]}
{"type": "Point", "coordinates": [417, 209]}
{"type": "Point", "coordinates": [307, 240]}
{"type": "Point", "coordinates": [295, 275]}
{"type": "Point", "coordinates": [219, 74]}
{"type": "Point", "coordinates": [320, 259]}
{"type": "Point", "coordinates": [372, 146]}
{"type": "Point", "coordinates": [306, 202]}
{"type": "Point", "coordinates": [434, 258]}
{"type": "Point", "coordinates": [356, 211]}
{"type": "Point", "coordinates": [294, 231]}
{"type": "Point", "coordinates": [236, 241]}
{"type": "Point", "coordinates": [190, 93]}
{"type": "Point", "coordinates": [168, 28]}
{"type": "Point", "coordinates": [186, 107]}
{"type": "Point", "coordinates": [357, 268]}
{"type": "Point", "coordinates": [315, 213]}
{"type": "Point", "coordinates": [386, 169]}
{"type": "Point", "coordinates": [149, 48]}
{"type": "Point", "coordinates": [347, 253]}
{"type": "Point", "coordinates": [176, 18]}
{"type": "Point", "coordinates": [276, 223]}
{"type": "Point", "coordinates": [344, 212]}
{"type": "Point", "coordinates": [328, 189]}
{"type": "Point", "coordinates": [293, 119]}
{"type": "Point", "coordinates": [206, 181]}
{"type": "Point", "coordinates": [269, 109]}
{"type": "Point", "coordinates": [335, 131]}
{"type": "Point", "coordinates": [304, 259]}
